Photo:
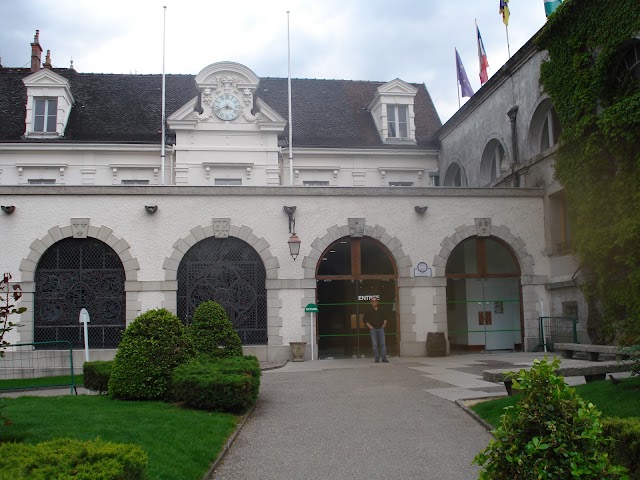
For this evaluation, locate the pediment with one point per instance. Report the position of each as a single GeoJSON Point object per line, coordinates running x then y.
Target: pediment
{"type": "Point", "coordinates": [397, 86]}
{"type": "Point", "coordinates": [46, 78]}
{"type": "Point", "coordinates": [186, 112]}
{"type": "Point", "coordinates": [219, 74]}
{"type": "Point", "coordinates": [265, 117]}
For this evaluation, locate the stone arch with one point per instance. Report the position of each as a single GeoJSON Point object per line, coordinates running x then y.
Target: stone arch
{"type": "Point", "coordinates": [494, 161]}
{"type": "Point", "coordinates": [517, 244]}
{"type": "Point", "coordinates": [320, 244]}
{"type": "Point", "coordinates": [455, 176]}
{"type": "Point", "coordinates": [244, 233]}
{"type": "Point", "coordinates": [527, 277]}
{"type": "Point", "coordinates": [200, 232]}
{"type": "Point", "coordinates": [403, 263]}
{"type": "Point", "coordinates": [543, 127]}
{"type": "Point", "coordinates": [39, 246]}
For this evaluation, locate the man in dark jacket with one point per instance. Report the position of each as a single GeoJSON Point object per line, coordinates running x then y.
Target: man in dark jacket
{"type": "Point", "coordinates": [376, 320]}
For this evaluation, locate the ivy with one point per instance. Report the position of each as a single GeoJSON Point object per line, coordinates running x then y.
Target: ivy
{"type": "Point", "coordinates": [598, 161]}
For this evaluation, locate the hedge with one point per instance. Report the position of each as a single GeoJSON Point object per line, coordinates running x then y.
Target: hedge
{"type": "Point", "coordinates": [626, 447]}
{"type": "Point", "coordinates": [67, 459]}
{"type": "Point", "coordinates": [224, 384]}
{"type": "Point", "coordinates": [96, 375]}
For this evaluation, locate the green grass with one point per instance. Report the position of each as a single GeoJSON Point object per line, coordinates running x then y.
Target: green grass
{"type": "Point", "coordinates": [18, 383]}
{"type": "Point", "coordinates": [181, 444]}
{"type": "Point", "coordinates": [621, 400]}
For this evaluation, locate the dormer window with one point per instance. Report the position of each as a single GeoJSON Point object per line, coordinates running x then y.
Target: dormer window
{"type": "Point", "coordinates": [398, 121]}
{"type": "Point", "coordinates": [392, 109]}
{"type": "Point", "coordinates": [45, 115]}
{"type": "Point", "coordinates": [49, 103]}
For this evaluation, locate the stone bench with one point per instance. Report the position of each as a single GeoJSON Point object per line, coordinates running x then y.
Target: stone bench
{"type": "Point", "coordinates": [594, 351]}
{"type": "Point", "coordinates": [592, 371]}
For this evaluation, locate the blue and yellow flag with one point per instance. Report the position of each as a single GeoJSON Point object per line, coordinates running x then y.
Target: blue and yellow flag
{"type": "Point", "coordinates": [504, 10]}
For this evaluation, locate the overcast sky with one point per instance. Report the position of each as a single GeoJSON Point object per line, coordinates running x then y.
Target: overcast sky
{"type": "Point", "coordinates": [339, 39]}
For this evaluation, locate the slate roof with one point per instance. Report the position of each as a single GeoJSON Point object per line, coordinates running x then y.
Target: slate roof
{"type": "Point", "coordinates": [115, 108]}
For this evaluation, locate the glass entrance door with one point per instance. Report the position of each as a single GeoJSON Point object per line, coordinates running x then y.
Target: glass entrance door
{"type": "Point", "coordinates": [483, 297]}
{"type": "Point", "coordinates": [342, 306]}
{"type": "Point", "coordinates": [492, 317]}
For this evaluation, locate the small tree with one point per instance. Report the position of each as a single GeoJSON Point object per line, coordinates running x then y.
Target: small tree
{"type": "Point", "coordinates": [8, 293]}
{"type": "Point", "coordinates": [151, 347]}
{"type": "Point", "coordinates": [212, 334]}
{"type": "Point", "coordinates": [550, 433]}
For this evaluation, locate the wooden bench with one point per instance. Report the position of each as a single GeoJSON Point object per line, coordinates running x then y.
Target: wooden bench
{"type": "Point", "coordinates": [592, 371]}
{"type": "Point", "coordinates": [594, 351]}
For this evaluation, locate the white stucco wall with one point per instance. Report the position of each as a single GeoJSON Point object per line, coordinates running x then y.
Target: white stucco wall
{"type": "Point", "coordinates": [150, 245]}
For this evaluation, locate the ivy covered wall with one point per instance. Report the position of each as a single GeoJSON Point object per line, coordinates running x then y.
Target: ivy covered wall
{"type": "Point", "coordinates": [595, 90]}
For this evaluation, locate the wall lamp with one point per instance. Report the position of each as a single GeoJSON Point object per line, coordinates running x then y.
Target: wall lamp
{"type": "Point", "coordinates": [294, 241]}
{"type": "Point", "coordinates": [421, 210]}
{"type": "Point", "coordinates": [151, 209]}
{"type": "Point", "coordinates": [8, 209]}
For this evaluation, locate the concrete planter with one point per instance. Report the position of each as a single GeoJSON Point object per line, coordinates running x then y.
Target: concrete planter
{"type": "Point", "coordinates": [297, 350]}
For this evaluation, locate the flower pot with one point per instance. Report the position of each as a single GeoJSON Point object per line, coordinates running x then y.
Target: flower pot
{"type": "Point", "coordinates": [297, 350]}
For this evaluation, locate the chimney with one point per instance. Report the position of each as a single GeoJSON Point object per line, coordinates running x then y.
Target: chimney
{"type": "Point", "coordinates": [36, 53]}
{"type": "Point", "coordinates": [47, 62]}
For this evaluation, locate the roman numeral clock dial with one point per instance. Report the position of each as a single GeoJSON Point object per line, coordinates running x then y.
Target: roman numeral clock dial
{"type": "Point", "coordinates": [227, 107]}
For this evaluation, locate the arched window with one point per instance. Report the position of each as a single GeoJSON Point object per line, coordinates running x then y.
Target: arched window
{"type": "Point", "coordinates": [545, 129]}
{"type": "Point", "coordinates": [492, 162]}
{"type": "Point", "coordinates": [73, 274]}
{"type": "Point", "coordinates": [455, 176]}
{"type": "Point", "coordinates": [229, 271]}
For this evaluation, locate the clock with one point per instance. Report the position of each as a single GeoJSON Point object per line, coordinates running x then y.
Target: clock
{"type": "Point", "coordinates": [227, 107]}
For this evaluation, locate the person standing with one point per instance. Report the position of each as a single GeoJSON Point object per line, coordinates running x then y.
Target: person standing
{"type": "Point", "coordinates": [376, 320]}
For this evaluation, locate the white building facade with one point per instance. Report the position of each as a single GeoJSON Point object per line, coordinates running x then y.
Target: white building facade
{"type": "Point", "coordinates": [92, 225]}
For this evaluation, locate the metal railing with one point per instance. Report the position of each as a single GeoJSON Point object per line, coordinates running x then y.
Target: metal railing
{"type": "Point", "coordinates": [37, 365]}
{"type": "Point", "coordinates": [552, 330]}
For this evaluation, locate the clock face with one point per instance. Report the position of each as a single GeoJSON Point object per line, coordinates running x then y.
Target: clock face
{"type": "Point", "coordinates": [227, 107]}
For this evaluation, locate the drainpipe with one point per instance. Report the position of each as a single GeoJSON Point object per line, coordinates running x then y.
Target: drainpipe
{"type": "Point", "coordinates": [513, 114]}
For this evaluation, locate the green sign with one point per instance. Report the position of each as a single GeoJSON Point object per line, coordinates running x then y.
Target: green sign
{"type": "Point", "coordinates": [312, 307]}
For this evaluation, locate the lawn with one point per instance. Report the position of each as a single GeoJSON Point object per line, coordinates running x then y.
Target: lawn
{"type": "Point", "coordinates": [181, 443]}
{"type": "Point", "coordinates": [18, 383]}
{"type": "Point", "coordinates": [621, 400]}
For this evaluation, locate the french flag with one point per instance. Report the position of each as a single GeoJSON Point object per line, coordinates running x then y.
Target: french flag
{"type": "Point", "coordinates": [482, 57]}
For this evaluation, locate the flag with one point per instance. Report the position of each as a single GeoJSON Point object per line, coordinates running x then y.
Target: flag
{"type": "Point", "coordinates": [465, 86]}
{"type": "Point", "coordinates": [504, 10]}
{"type": "Point", "coordinates": [551, 5]}
{"type": "Point", "coordinates": [482, 57]}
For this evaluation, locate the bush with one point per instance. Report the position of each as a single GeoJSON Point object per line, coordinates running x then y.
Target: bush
{"type": "Point", "coordinates": [550, 433]}
{"type": "Point", "coordinates": [224, 384]}
{"type": "Point", "coordinates": [96, 375]}
{"type": "Point", "coordinates": [151, 347]}
{"type": "Point", "coordinates": [211, 333]}
{"type": "Point", "coordinates": [64, 458]}
{"type": "Point", "coordinates": [626, 446]}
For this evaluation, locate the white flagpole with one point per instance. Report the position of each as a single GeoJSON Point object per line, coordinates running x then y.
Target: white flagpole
{"type": "Point", "coordinates": [164, 147]}
{"type": "Point", "coordinates": [506, 29]}
{"type": "Point", "coordinates": [289, 87]}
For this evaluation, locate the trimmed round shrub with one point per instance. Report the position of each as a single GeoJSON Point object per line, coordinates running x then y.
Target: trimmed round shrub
{"type": "Point", "coordinates": [550, 433]}
{"type": "Point", "coordinates": [151, 347]}
{"type": "Point", "coordinates": [66, 458]}
{"type": "Point", "coordinates": [212, 334]}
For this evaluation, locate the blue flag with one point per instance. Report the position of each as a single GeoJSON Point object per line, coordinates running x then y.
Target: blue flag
{"type": "Point", "coordinates": [465, 86]}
